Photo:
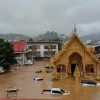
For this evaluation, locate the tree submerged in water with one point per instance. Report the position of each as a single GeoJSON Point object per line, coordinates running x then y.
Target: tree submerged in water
{"type": "Point", "coordinates": [7, 55]}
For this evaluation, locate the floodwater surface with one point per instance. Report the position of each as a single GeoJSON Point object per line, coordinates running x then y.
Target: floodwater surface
{"type": "Point", "coordinates": [23, 80]}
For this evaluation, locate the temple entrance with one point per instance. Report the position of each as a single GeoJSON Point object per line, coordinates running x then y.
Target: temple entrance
{"type": "Point", "coordinates": [75, 59]}
{"type": "Point", "coordinates": [73, 66]}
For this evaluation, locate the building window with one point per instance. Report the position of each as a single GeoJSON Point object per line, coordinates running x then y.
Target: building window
{"type": "Point", "coordinates": [53, 52]}
{"type": "Point", "coordinates": [53, 47]}
{"type": "Point", "coordinates": [45, 47]}
{"type": "Point", "coordinates": [18, 54]}
{"type": "Point", "coordinates": [38, 46]}
{"type": "Point", "coordinates": [29, 47]}
{"type": "Point", "coordinates": [34, 47]}
{"type": "Point", "coordinates": [34, 53]}
{"type": "Point", "coordinates": [61, 68]}
{"type": "Point", "coordinates": [48, 47]}
{"type": "Point", "coordinates": [46, 53]}
{"type": "Point", "coordinates": [89, 68]}
{"type": "Point", "coordinates": [38, 54]}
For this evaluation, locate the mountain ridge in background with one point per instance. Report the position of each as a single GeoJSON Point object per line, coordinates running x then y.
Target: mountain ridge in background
{"type": "Point", "coordinates": [12, 36]}
{"type": "Point", "coordinates": [49, 36]}
{"type": "Point", "coordinates": [93, 36]}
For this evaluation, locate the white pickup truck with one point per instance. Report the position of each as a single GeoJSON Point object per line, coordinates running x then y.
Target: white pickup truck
{"type": "Point", "coordinates": [55, 91]}
{"type": "Point", "coordinates": [14, 91]}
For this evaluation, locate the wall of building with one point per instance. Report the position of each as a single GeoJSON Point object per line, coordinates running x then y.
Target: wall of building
{"type": "Point", "coordinates": [41, 49]}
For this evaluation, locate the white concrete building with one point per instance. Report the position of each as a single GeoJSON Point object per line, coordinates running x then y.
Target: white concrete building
{"type": "Point", "coordinates": [42, 49]}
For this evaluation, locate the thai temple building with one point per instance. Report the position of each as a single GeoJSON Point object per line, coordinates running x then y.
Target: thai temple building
{"type": "Point", "coordinates": [75, 53]}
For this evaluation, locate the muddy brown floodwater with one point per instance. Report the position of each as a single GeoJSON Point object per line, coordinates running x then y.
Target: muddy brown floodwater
{"type": "Point", "coordinates": [23, 79]}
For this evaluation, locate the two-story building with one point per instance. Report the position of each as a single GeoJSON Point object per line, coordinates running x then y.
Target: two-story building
{"type": "Point", "coordinates": [43, 49]}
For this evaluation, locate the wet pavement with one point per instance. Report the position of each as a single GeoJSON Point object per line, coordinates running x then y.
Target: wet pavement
{"type": "Point", "coordinates": [23, 80]}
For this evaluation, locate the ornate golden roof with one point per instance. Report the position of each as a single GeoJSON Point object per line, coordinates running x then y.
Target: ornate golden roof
{"type": "Point", "coordinates": [73, 35]}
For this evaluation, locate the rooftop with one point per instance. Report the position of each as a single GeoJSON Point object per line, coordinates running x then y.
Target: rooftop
{"type": "Point", "coordinates": [19, 46]}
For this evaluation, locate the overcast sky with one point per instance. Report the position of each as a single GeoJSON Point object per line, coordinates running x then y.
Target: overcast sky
{"type": "Point", "coordinates": [34, 17]}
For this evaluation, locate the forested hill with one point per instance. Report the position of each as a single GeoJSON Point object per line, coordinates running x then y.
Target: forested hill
{"type": "Point", "coordinates": [53, 35]}
{"type": "Point", "coordinates": [47, 36]}
{"type": "Point", "coordinates": [12, 36]}
{"type": "Point", "coordinates": [94, 36]}
{"type": "Point", "coordinates": [50, 36]}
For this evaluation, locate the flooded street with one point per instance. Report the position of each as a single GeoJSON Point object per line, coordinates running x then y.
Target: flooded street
{"type": "Point", "coordinates": [23, 80]}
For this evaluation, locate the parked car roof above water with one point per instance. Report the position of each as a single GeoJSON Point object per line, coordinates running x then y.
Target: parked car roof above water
{"type": "Point", "coordinates": [38, 79]}
{"type": "Point", "coordinates": [89, 83]}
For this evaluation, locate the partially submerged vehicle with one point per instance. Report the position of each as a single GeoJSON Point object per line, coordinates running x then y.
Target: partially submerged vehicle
{"type": "Point", "coordinates": [28, 62]}
{"type": "Point", "coordinates": [56, 91]}
{"type": "Point", "coordinates": [89, 83]}
{"type": "Point", "coordinates": [39, 71]}
{"type": "Point", "coordinates": [14, 91]}
{"type": "Point", "coordinates": [13, 70]}
{"type": "Point", "coordinates": [38, 79]}
{"type": "Point", "coordinates": [16, 68]}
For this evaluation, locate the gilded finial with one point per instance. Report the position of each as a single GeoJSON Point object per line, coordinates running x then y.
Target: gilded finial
{"type": "Point", "coordinates": [76, 73]}
{"type": "Point", "coordinates": [72, 31]}
{"type": "Point", "coordinates": [74, 28]}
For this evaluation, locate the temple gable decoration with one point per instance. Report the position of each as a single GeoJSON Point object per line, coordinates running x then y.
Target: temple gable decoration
{"type": "Point", "coordinates": [74, 52]}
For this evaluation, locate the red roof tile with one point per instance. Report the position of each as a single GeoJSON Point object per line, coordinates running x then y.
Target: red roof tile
{"type": "Point", "coordinates": [19, 45]}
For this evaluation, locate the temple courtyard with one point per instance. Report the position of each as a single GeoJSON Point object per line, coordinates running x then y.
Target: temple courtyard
{"type": "Point", "coordinates": [23, 80]}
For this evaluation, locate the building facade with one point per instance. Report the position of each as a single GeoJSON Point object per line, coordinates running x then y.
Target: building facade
{"type": "Point", "coordinates": [42, 49]}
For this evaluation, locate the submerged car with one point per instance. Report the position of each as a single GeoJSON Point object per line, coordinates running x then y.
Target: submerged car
{"type": "Point", "coordinates": [39, 71]}
{"type": "Point", "coordinates": [89, 83]}
{"type": "Point", "coordinates": [38, 79]}
{"type": "Point", "coordinates": [13, 70]}
{"type": "Point", "coordinates": [9, 91]}
{"type": "Point", "coordinates": [56, 91]}
{"type": "Point", "coordinates": [16, 68]}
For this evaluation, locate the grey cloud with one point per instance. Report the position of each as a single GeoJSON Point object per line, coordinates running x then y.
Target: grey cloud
{"type": "Point", "coordinates": [34, 17]}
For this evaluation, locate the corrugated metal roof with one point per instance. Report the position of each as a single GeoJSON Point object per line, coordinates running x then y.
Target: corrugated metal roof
{"type": "Point", "coordinates": [19, 46]}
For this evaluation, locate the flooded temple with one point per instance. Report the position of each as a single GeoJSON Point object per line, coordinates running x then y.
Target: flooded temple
{"type": "Point", "coordinates": [75, 53]}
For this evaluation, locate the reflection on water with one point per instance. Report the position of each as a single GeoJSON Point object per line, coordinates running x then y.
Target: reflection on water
{"type": "Point", "coordinates": [23, 79]}
{"type": "Point", "coordinates": [44, 85]}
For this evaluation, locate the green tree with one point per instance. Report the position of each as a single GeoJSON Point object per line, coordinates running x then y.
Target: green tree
{"type": "Point", "coordinates": [30, 39]}
{"type": "Point", "coordinates": [7, 55]}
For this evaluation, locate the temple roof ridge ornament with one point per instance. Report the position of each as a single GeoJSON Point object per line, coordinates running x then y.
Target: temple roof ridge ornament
{"type": "Point", "coordinates": [67, 44]}
{"type": "Point", "coordinates": [74, 31]}
{"type": "Point", "coordinates": [74, 28]}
